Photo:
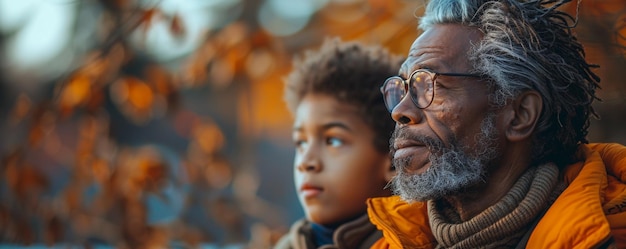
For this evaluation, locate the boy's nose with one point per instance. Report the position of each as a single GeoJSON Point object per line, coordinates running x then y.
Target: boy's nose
{"type": "Point", "coordinates": [309, 162]}
{"type": "Point", "coordinates": [309, 167]}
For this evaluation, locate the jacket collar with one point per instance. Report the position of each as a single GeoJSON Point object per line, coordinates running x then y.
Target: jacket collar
{"type": "Point", "coordinates": [403, 225]}
{"type": "Point", "coordinates": [358, 233]}
{"type": "Point", "coordinates": [580, 207]}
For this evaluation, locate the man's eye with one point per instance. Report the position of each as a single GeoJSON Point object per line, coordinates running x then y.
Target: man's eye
{"type": "Point", "coordinates": [333, 141]}
{"type": "Point", "coordinates": [439, 85]}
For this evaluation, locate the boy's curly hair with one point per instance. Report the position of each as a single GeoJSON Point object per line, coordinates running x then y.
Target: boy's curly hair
{"type": "Point", "coordinates": [352, 73]}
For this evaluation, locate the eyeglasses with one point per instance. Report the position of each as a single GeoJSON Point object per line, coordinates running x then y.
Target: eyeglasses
{"type": "Point", "coordinates": [421, 86]}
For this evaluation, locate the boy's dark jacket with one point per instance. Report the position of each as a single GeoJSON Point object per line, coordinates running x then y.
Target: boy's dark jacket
{"type": "Point", "coordinates": [356, 234]}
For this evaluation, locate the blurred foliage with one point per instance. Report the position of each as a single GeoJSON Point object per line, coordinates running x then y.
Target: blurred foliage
{"type": "Point", "coordinates": [67, 177]}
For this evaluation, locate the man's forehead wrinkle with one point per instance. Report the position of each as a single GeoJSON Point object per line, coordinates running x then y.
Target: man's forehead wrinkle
{"type": "Point", "coordinates": [421, 50]}
{"type": "Point", "coordinates": [430, 58]}
{"type": "Point", "coordinates": [411, 63]}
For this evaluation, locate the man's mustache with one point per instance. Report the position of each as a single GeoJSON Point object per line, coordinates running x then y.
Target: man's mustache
{"type": "Point", "coordinates": [434, 145]}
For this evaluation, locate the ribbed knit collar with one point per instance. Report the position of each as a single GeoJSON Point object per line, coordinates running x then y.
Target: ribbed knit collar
{"type": "Point", "coordinates": [504, 223]}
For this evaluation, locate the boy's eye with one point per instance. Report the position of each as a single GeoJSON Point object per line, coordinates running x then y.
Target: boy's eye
{"type": "Point", "coordinates": [333, 141]}
{"type": "Point", "coordinates": [300, 143]}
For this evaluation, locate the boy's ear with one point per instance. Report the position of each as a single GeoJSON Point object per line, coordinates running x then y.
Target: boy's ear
{"type": "Point", "coordinates": [390, 171]}
{"type": "Point", "coordinates": [523, 116]}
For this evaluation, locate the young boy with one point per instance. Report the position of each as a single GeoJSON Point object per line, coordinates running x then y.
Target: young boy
{"type": "Point", "coordinates": [342, 143]}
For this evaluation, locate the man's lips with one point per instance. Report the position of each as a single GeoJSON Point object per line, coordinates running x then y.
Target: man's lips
{"type": "Point", "coordinates": [403, 148]}
{"type": "Point", "coordinates": [409, 151]}
{"type": "Point", "coordinates": [415, 150]}
{"type": "Point", "coordinates": [401, 144]}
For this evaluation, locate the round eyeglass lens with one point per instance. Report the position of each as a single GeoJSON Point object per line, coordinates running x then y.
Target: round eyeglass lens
{"type": "Point", "coordinates": [421, 89]}
{"type": "Point", "coordinates": [393, 92]}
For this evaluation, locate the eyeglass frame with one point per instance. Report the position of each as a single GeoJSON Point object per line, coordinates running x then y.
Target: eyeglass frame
{"type": "Point", "coordinates": [407, 84]}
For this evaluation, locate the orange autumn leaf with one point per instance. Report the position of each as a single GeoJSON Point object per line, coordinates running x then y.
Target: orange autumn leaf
{"type": "Point", "coordinates": [236, 55]}
{"type": "Point", "coordinates": [72, 198]}
{"type": "Point", "coordinates": [25, 181]}
{"type": "Point", "coordinates": [43, 123]}
{"type": "Point", "coordinates": [160, 78]}
{"type": "Point", "coordinates": [140, 95]}
{"type": "Point", "coordinates": [95, 65]}
{"type": "Point", "coordinates": [23, 106]}
{"type": "Point", "coordinates": [35, 136]}
{"type": "Point", "coordinates": [261, 38]}
{"type": "Point", "coordinates": [147, 17]}
{"type": "Point", "coordinates": [76, 92]}
{"type": "Point", "coordinates": [222, 72]}
{"type": "Point", "coordinates": [209, 137]}
{"type": "Point", "coordinates": [95, 101]}
{"type": "Point", "coordinates": [36, 130]}
{"type": "Point", "coordinates": [150, 173]}
{"type": "Point", "coordinates": [134, 97]}
{"type": "Point", "coordinates": [100, 170]}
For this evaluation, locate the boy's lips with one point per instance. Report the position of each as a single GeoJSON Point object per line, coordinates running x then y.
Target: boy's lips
{"type": "Point", "coordinates": [309, 190]}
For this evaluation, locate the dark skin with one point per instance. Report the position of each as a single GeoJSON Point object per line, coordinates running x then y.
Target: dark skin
{"type": "Point", "coordinates": [460, 105]}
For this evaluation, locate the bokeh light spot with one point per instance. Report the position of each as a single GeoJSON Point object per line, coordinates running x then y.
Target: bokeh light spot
{"type": "Point", "coordinates": [285, 17]}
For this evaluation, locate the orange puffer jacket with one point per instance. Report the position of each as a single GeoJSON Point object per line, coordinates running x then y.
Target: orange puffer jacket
{"type": "Point", "coordinates": [589, 213]}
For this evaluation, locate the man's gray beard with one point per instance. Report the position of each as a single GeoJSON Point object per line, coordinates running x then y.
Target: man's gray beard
{"type": "Point", "coordinates": [451, 168]}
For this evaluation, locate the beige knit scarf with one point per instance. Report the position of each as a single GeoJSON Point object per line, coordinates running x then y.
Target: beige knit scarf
{"type": "Point", "coordinates": [503, 224]}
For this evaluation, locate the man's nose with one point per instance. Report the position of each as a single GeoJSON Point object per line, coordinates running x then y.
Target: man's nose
{"type": "Point", "coordinates": [406, 112]}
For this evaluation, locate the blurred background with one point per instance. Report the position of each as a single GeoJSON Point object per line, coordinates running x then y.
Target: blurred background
{"type": "Point", "coordinates": [160, 123]}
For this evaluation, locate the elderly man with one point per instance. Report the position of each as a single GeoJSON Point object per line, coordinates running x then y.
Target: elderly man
{"type": "Point", "coordinates": [492, 109]}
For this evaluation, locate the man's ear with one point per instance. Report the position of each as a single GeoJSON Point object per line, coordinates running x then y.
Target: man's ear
{"type": "Point", "coordinates": [524, 113]}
